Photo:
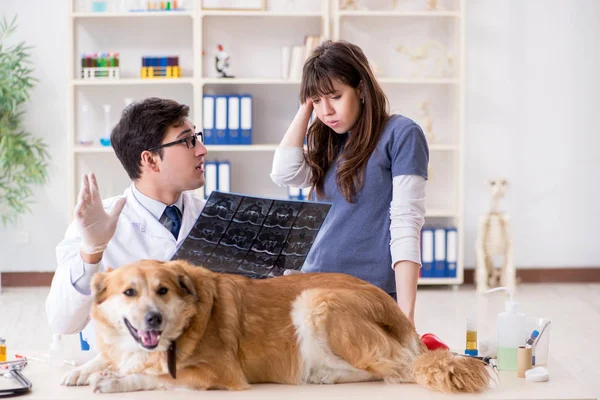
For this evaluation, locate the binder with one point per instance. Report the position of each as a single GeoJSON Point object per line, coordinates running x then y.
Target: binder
{"type": "Point", "coordinates": [208, 119]}
{"type": "Point", "coordinates": [304, 193]}
{"type": "Point", "coordinates": [296, 63]}
{"type": "Point", "coordinates": [246, 118]}
{"type": "Point", "coordinates": [210, 178]}
{"type": "Point", "coordinates": [224, 176]}
{"type": "Point", "coordinates": [220, 120]}
{"type": "Point", "coordinates": [451, 252]}
{"type": "Point", "coordinates": [200, 192]}
{"type": "Point", "coordinates": [294, 193]}
{"type": "Point", "coordinates": [233, 120]}
{"type": "Point", "coordinates": [427, 245]}
{"type": "Point", "coordinates": [439, 267]}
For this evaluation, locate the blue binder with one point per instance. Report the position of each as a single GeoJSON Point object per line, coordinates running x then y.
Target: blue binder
{"type": "Point", "coordinates": [210, 178]}
{"type": "Point", "coordinates": [304, 193]}
{"type": "Point", "coordinates": [220, 119]}
{"type": "Point", "coordinates": [427, 249]}
{"type": "Point", "coordinates": [294, 193]}
{"type": "Point", "coordinates": [439, 267]}
{"type": "Point", "coordinates": [208, 119]}
{"type": "Point", "coordinates": [451, 252]}
{"type": "Point", "coordinates": [233, 120]}
{"type": "Point", "coordinates": [246, 118]}
{"type": "Point", "coordinates": [223, 176]}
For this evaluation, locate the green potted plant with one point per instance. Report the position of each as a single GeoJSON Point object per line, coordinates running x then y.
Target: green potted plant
{"type": "Point", "coordinates": [23, 157]}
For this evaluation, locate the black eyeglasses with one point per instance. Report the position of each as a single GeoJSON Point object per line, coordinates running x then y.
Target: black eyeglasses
{"type": "Point", "coordinates": [190, 141]}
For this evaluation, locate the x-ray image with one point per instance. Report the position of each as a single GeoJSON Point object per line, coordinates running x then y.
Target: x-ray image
{"type": "Point", "coordinates": [311, 216]}
{"type": "Point", "coordinates": [199, 253]}
{"type": "Point", "coordinates": [209, 230]}
{"type": "Point", "coordinates": [288, 262]}
{"type": "Point", "coordinates": [252, 236]}
{"type": "Point", "coordinates": [240, 235]}
{"type": "Point", "coordinates": [226, 259]}
{"type": "Point", "coordinates": [221, 205]}
{"type": "Point", "coordinates": [258, 263]}
{"type": "Point", "coordinates": [270, 240]}
{"type": "Point", "coordinates": [253, 211]}
{"type": "Point", "coordinates": [282, 214]}
{"type": "Point", "coordinates": [299, 242]}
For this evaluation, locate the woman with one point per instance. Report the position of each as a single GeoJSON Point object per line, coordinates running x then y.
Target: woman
{"type": "Point", "coordinates": [372, 167]}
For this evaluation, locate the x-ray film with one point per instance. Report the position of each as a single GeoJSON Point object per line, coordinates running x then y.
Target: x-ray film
{"type": "Point", "coordinates": [252, 236]}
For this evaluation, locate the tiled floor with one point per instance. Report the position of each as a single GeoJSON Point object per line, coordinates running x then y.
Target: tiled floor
{"type": "Point", "coordinates": [573, 308]}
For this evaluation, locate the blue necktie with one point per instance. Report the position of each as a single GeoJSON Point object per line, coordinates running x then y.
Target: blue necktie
{"type": "Point", "coordinates": [173, 213]}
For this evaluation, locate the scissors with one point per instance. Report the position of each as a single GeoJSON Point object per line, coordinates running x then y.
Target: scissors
{"type": "Point", "coordinates": [14, 369]}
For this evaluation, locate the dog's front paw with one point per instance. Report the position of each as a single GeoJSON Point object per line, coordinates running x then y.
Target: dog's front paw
{"type": "Point", "coordinates": [100, 375]}
{"type": "Point", "coordinates": [109, 383]}
{"type": "Point", "coordinates": [76, 377]}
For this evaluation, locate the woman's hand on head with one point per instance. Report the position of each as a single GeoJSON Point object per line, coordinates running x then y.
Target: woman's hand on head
{"type": "Point", "coordinates": [308, 104]}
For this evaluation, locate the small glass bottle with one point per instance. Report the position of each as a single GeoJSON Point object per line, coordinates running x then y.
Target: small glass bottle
{"type": "Point", "coordinates": [84, 134]}
{"type": "Point", "coordinates": [2, 349]}
{"type": "Point", "coordinates": [105, 139]}
{"type": "Point", "coordinates": [471, 342]}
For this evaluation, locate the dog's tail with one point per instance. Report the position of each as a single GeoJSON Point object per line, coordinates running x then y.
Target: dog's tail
{"type": "Point", "coordinates": [449, 373]}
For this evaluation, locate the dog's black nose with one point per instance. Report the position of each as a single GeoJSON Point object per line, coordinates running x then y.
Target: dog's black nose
{"type": "Point", "coordinates": [153, 320]}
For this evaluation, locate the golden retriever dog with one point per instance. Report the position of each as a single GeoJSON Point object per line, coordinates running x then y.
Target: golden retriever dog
{"type": "Point", "coordinates": [164, 325]}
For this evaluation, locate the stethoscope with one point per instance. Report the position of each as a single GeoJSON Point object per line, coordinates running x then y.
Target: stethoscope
{"type": "Point", "coordinates": [13, 369]}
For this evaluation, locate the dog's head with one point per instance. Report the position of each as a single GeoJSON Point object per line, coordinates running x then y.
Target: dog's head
{"type": "Point", "coordinates": [148, 303]}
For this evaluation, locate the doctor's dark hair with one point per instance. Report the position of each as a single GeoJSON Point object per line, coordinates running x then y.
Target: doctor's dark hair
{"type": "Point", "coordinates": [143, 125]}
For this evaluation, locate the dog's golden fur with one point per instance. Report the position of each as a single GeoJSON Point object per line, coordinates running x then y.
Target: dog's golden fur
{"type": "Point", "coordinates": [232, 331]}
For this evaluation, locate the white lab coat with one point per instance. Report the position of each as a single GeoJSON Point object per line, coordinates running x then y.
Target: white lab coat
{"type": "Point", "coordinates": [138, 236]}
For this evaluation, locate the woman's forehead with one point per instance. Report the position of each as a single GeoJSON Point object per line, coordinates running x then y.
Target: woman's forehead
{"type": "Point", "coordinates": [325, 86]}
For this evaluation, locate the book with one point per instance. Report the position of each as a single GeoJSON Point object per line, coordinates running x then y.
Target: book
{"type": "Point", "coordinates": [252, 236]}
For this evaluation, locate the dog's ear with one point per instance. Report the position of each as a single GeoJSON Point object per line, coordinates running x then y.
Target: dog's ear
{"type": "Point", "coordinates": [186, 284]}
{"type": "Point", "coordinates": [98, 285]}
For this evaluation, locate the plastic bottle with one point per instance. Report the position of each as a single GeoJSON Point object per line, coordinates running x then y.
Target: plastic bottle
{"type": "Point", "coordinates": [511, 332]}
{"type": "Point", "coordinates": [471, 342]}
{"type": "Point", "coordinates": [56, 357]}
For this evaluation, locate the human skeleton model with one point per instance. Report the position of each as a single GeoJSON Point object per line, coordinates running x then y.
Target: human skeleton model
{"type": "Point", "coordinates": [420, 54]}
{"type": "Point", "coordinates": [222, 62]}
{"type": "Point", "coordinates": [494, 245]}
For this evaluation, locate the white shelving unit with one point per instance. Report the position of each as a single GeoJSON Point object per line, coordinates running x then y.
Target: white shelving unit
{"type": "Point", "coordinates": [411, 24]}
{"type": "Point", "coordinates": [247, 36]}
{"type": "Point", "coordinates": [310, 17]}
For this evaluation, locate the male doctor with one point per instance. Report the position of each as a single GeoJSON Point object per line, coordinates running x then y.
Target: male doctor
{"type": "Point", "coordinates": [164, 157]}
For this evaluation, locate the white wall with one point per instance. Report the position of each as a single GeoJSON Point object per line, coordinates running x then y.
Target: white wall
{"type": "Point", "coordinates": [46, 30]}
{"type": "Point", "coordinates": [532, 89]}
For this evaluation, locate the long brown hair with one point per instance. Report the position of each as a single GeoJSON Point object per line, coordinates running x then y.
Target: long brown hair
{"type": "Point", "coordinates": [348, 64]}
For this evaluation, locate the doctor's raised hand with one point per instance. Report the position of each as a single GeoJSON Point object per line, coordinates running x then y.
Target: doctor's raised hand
{"type": "Point", "coordinates": [97, 226]}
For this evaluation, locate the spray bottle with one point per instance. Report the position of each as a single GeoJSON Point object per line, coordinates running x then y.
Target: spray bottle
{"type": "Point", "coordinates": [511, 332]}
{"type": "Point", "coordinates": [55, 355]}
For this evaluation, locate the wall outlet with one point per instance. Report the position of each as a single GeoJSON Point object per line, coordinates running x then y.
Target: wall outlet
{"type": "Point", "coordinates": [23, 238]}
